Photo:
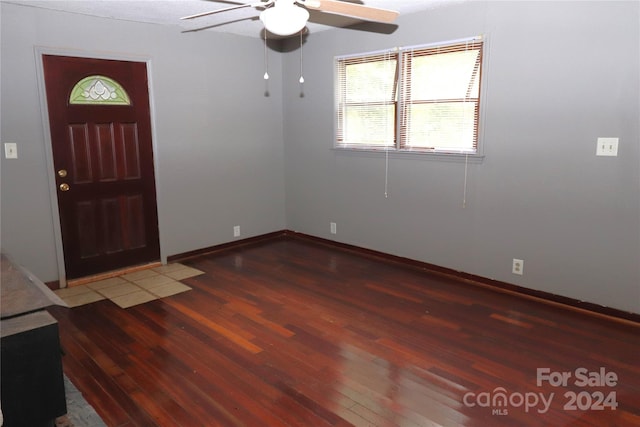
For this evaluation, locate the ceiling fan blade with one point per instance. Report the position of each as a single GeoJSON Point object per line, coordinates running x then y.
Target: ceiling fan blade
{"type": "Point", "coordinates": [211, 12]}
{"type": "Point", "coordinates": [352, 10]}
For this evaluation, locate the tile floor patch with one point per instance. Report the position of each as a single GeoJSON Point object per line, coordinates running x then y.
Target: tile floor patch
{"type": "Point", "coordinates": [133, 298]}
{"type": "Point", "coordinates": [70, 292]}
{"type": "Point", "coordinates": [118, 290]}
{"type": "Point", "coordinates": [137, 275]}
{"type": "Point", "coordinates": [82, 299]}
{"type": "Point", "coordinates": [184, 273]}
{"type": "Point", "coordinates": [150, 282]}
{"type": "Point", "coordinates": [169, 267]}
{"type": "Point", "coordinates": [132, 288]}
{"type": "Point", "coordinates": [106, 283]}
{"type": "Point", "coordinates": [169, 289]}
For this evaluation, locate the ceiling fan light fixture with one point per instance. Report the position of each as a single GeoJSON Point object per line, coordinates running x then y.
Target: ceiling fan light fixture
{"type": "Point", "coordinates": [284, 21]}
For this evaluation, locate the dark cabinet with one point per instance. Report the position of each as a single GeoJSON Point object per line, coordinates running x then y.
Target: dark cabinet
{"type": "Point", "coordinates": [31, 380]}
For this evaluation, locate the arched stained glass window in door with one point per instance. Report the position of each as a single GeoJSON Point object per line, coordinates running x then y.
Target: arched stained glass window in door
{"type": "Point", "coordinates": [99, 90]}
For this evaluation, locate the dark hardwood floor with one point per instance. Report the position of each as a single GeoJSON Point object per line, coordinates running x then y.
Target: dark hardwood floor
{"type": "Point", "coordinates": [290, 332]}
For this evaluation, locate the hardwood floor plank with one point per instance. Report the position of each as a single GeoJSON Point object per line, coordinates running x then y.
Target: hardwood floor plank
{"type": "Point", "coordinates": [232, 336]}
{"type": "Point", "coordinates": [107, 395]}
{"type": "Point", "coordinates": [289, 332]}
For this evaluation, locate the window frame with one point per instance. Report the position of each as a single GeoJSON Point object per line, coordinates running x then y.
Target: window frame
{"type": "Point", "coordinates": [398, 144]}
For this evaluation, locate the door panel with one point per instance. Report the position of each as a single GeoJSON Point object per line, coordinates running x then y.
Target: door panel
{"type": "Point", "coordinates": [80, 154]}
{"type": "Point", "coordinates": [108, 213]}
{"type": "Point", "coordinates": [106, 152]}
{"type": "Point", "coordinates": [87, 229]}
{"type": "Point", "coordinates": [130, 151]}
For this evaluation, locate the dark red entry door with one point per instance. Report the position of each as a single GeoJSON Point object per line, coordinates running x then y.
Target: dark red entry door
{"type": "Point", "coordinates": [103, 159]}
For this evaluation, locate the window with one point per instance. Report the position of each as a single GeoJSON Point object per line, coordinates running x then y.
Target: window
{"type": "Point", "coordinates": [417, 99]}
{"type": "Point", "coordinates": [99, 90]}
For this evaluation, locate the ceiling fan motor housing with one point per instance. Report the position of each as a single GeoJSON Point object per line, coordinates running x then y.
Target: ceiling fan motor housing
{"type": "Point", "coordinates": [284, 18]}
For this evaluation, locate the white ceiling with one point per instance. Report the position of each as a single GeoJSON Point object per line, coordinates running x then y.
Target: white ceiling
{"type": "Point", "coordinates": [242, 22]}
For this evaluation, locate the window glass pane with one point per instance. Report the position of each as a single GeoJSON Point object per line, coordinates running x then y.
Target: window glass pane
{"type": "Point", "coordinates": [444, 126]}
{"type": "Point", "coordinates": [444, 76]}
{"type": "Point", "coordinates": [366, 92]}
{"type": "Point", "coordinates": [369, 125]}
{"type": "Point", "coordinates": [370, 81]}
{"type": "Point", "coordinates": [99, 90]}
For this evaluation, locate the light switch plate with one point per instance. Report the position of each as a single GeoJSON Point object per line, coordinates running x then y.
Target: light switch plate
{"type": "Point", "coordinates": [607, 147]}
{"type": "Point", "coordinates": [10, 150]}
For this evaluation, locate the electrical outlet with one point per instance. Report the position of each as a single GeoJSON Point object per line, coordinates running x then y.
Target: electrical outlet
{"type": "Point", "coordinates": [10, 150]}
{"type": "Point", "coordinates": [518, 266]}
{"type": "Point", "coordinates": [236, 231]}
{"type": "Point", "coordinates": [333, 227]}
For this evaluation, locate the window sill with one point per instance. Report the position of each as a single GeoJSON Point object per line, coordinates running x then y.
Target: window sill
{"type": "Point", "coordinates": [426, 155]}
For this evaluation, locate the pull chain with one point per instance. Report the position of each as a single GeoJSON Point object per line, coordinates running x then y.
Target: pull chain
{"type": "Point", "coordinates": [301, 80]}
{"type": "Point", "coordinates": [266, 58]}
{"type": "Point", "coordinates": [464, 194]}
{"type": "Point", "coordinates": [386, 173]}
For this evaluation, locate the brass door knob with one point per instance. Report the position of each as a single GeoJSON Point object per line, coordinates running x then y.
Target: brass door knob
{"type": "Point", "coordinates": [62, 173]}
{"type": "Point", "coordinates": [64, 187]}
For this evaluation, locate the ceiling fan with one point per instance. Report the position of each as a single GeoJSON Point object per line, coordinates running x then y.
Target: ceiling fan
{"type": "Point", "coordinates": [287, 17]}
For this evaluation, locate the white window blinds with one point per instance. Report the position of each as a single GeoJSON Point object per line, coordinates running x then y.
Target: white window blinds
{"type": "Point", "coordinates": [367, 101]}
{"type": "Point", "coordinates": [441, 93]}
{"type": "Point", "coordinates": [424, 98]}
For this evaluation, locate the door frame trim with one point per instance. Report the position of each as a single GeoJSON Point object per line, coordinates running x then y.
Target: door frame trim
{"type": "Point", "coordinates": [39, 51]}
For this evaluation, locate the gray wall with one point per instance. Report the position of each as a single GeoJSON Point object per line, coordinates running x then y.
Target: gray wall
{"type": "Point", "coordinates": [559, 75]}
{"type": "Point", "coordinates": [218, 139]}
